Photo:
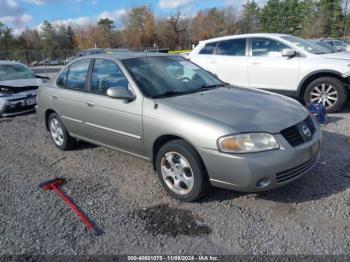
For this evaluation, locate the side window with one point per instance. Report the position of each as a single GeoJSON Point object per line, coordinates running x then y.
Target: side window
{"type": "Point", "coordinates": [61, 80]}
{"type": "Point", "coordinates": [77, 75]}
{"type": "Point", "coordinates": [338, 43]}
{"type": "Point", "coordinates": [234, 47]}
{"type": "Point", "coordinates": [106, 74]}
{"type": "Point", "coordinates": [267, 47]}
{"type": "Point", "coordinates": [208, 49]}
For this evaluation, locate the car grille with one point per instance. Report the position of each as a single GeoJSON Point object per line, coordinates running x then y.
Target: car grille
{"type": "Point", "coordinates": [295, 171]}
{"type": "Point", "coordinates": [15, 90]}
{"type": "Point", "coordinates": [293, 134]}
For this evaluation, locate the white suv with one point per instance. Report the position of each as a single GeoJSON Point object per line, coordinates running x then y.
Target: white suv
{"type": "Point", "coordinates": [280, 63]}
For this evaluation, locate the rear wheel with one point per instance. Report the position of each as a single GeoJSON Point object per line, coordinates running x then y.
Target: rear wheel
{"type": "Point", "coordinates": [59, 134]}
{"type": "Point", "coordinates": [328, 91]}
{"type": "Point", "coordinates": [181, 171]}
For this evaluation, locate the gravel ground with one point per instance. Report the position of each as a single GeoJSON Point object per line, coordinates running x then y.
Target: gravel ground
{"type": "Point", "coordinates": [125, 200]}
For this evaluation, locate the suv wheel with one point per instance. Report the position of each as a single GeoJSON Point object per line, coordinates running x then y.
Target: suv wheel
{"type": "Point", "coordinates": [58, 133]}
{"type": "Point", "coordinates": [181, 171]}
{"type": "Point", "coordinates": [328, 91]}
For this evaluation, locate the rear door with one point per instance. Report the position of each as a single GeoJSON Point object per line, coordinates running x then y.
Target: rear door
{"type": "Point", "coordinates": [69, 98]}
{"type": "Point", "coordinates": [109, 121]}
{"type": "Point", "coordinates": [268, 69]}
{"type": "Point", "coordinates": [229, 62]}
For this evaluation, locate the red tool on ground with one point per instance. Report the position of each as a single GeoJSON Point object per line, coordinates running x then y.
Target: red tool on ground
{"type": "Point", "coordinates": [54, 185]}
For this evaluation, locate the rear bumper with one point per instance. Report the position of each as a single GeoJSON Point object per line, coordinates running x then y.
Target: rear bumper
{"type": "Point", "coordinates": [243, 172]}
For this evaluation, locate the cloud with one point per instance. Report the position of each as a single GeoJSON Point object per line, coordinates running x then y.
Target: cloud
{"type": "Point", "coordinates": [13, 15]}
{"type": "Point", "coordinates": [76, 22]}
{"type": "Point", "coordinates": [168, 4]}
{"type": "Point", "coordinates": [113, 15]}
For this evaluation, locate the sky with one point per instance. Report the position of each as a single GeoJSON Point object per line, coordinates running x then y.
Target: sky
{"type": "Point", "coordinates": [21, 14]}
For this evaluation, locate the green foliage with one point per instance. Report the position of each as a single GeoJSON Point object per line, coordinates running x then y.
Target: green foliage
{"type": "Point", "coordinates": [250, 17]}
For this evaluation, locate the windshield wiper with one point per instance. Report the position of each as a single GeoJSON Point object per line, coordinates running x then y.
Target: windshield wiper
{"type": "Point", "coordinates": [179, 93]}
{"type": "Point", "coordinates": [204, 87]}
{"type": "Point", "coordinates": [170, 93]}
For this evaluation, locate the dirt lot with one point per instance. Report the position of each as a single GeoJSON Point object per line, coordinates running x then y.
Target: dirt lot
{"type": "Point", "coordinates": [124, 198]}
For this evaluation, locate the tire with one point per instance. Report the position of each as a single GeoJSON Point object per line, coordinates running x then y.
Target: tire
{"type": "Point", "coordinates": [329, 91]}
{"type": "Point", "coordinates": [59, 134]}
{"type": "Point", "coordinates": [189, 180]}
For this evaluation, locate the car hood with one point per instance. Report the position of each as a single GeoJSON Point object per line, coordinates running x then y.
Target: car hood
{"type": "Point", "coordinates": [21, 82]}
{"type": "Point", "coordinates": [339, 55]}
{"type": "Point", "coordinates": [242, 109]}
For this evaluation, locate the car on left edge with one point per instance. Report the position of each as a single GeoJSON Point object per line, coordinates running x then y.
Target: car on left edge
{"type": "Point", "coordinates": [18, 88]}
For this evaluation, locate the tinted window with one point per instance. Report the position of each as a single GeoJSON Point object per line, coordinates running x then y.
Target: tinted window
{"type": "Point", "coordinates": [234, 47]}
{"type": "Point", "coordinates": [77, 75]}
{"type": "Point", "coordinates": [61, 80]}
{"type": "Point", "coordinates": [14, 72]}
{"type": "Point", "coordinates": [267, 47]}
{"type": "Point", "coordinates": [106, 74]}
{"type": "Point", "coordinates": [208, 49]}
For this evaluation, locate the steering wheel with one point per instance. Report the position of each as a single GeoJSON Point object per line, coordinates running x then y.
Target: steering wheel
{"type": "Point", "coordinates": [185, 79]}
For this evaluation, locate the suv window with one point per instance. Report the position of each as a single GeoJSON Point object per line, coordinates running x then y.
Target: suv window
{"type": "Point", "coordinates": [267, 47]}
{"type": "Point", "coordinates": [208, 49]}
{"type": "Point", "coordinates": [77, 75]}
{"type": "Point", "coordinates": [234, 47]}
{"type": "Point", "coordinates": [106, 74]}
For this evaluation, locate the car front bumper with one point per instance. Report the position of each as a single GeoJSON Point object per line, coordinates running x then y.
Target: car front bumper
{"type": "Point", "coordinates": [19, 103]}
{"type": "Point", "coordinates": [264, 170]}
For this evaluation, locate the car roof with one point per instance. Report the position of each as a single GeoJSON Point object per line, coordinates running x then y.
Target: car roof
{"type": "Point", "coordinates": [243, 36]}
{"type": "Point", "coordinates": [126, 55]}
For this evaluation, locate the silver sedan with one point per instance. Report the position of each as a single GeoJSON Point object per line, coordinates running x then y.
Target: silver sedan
{"type": "Point", "coordinates": [196, 130]}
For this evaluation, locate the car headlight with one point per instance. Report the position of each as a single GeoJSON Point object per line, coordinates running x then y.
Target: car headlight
{"type": "Point", "coordinates": [247, 143]}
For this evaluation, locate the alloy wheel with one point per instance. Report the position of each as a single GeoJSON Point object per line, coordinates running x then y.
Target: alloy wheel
{"type": "Point", "coordinates": [325, 94]}
{"type": "Point", "coordinates": [56, 132]}
{"type": "Point", "coordinates": [177, 173]}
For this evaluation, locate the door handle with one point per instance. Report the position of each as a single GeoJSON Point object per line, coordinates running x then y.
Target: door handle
{"type": "Point", "coordinates": [255, 63]}
{"type": "Point", "coordinates": [90, 104]}
{"type": "Point", "coordinates": [55, 97]}
{"type": "Point", "coordinates": [211, 62]}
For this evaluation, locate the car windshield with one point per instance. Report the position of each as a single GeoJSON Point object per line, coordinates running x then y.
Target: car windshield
{"type": "Point", "coordinates": [162, 76]}
{"type": "Point", "coordinates": [15, 72]}
{"type": "Point", "coordinates": [326, 46]}
{"type": "Point", "coordinates": [306, 45]}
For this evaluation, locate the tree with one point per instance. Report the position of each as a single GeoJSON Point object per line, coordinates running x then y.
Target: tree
{"type": "Point", "coordinates": [139, 28]}
{"type": "Point", "coordinates": [250, 17]}
{"type": "Point", "coordinates": [48, 38]}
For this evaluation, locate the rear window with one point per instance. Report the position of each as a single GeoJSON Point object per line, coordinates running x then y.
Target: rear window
{"type": "Point", "coordinates": [208, 49]}
{"type": "Point", "coordinates": [233, 47]}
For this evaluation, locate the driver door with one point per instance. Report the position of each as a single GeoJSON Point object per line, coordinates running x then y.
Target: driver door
{"type": "Point", "coordinates": [109, 121]}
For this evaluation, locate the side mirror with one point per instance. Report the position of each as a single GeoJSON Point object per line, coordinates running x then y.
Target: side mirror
{"type": "Point", "coordinates": [120, 93]}
{"type": "Point", "coordinates": [287, 52]}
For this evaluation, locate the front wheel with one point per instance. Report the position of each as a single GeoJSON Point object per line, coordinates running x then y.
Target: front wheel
{"type": "Point", "coordinates": [328, 91]}
{"type": "Point", "coordinates": [181, 171]}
